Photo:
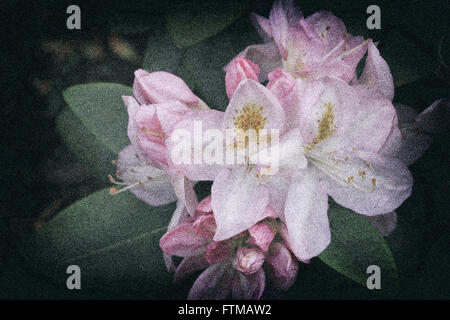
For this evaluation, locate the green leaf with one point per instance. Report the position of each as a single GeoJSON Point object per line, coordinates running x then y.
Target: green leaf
{"type": "Point", "coordinates": [193, 22]}
{"type": "Point", "coordinates": [161, 54]}
{"type": "Point", "coordinates": [113, 239]}
{"type": "Point", "coordinates": [205, 61]}
{"type": "Point", "coordinates": [100, 108]}
{"type": "Point", "coordinates": [355, 245]}
{"type": "Point", "coordinates": [91, 153]}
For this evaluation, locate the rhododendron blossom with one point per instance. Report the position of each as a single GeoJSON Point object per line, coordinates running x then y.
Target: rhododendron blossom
{"type": "Point", "coordinates": [240, 266]}
{"type": "Point", "coordinates": [316, 129]}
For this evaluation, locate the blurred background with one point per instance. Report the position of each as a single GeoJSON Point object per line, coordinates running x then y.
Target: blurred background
{"type": "Point", "coordinates": [41, 173]}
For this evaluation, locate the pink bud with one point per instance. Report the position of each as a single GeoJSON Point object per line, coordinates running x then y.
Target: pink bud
{"type": "Point", "coordinates": [217, 251]}
{"type": "Point", "coordinates": [237, 70]}
{"type": "Point", "coordinates": [261, 236]}
{"type": "Point", "coordinates": [282, 267]}
{"type": "Point", "coordinates": [204, 206]}
{"type": "Point", "coordinates": [160, 86]}
{"type": "Point", "coordinates": [248, 260]}
{"type": "Point", "coordinates": [205, 226]}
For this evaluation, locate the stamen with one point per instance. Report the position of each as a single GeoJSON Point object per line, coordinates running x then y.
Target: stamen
{"type": "Point", "coordinates": [153, 133]}
{"type": "Point", "coordinates": [113, 191]}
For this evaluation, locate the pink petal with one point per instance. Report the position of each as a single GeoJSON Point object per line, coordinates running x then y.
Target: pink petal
{"type": "Point", "coordinates": [190, 265]}
{"type": "Point", "coordinates": [153, 186]}
{"type": "Point", "coordinates": [344, 102]}
{"type": "Point", "coordinates": [237, 70]}
{"type": "Point", "coordinates": [266, 56]}
{"type": "Point", "coordinates": [194, 127]}
{"type": "Point", "coordinates": [248, 287]}
{"type": "Point", "coordinates": [283, 268]}
{"type": "Point", "coordinates": [182, 241]}
{"type": "Point", "coordinates": [160, 86]}
{"type": "Point", "coordinates": [435, 118]}
{"type": "Point", "coordinates": [205, 226]}
{"type": "Point", "coordinates": [261, 235]}
{"type": "Point", "coordinates": [238, 201]}
{"type": "Point", "coordinates": [379, 185]}
{"type": "Point", "coordinates": [204, 207]}
{"type": "Point", "coordinates": [376, 74]}
{"type": "Point", "coordinates": [213, 284]}
{"type": "Point", "coordinates": [170, 113]}
{"type": "Point", "coordinates": [262, 25]}
{"type": "Point", "coordinates": [248, 260]}
{"type": "Point", "coordinates": [372, 122]}
{"type": "Point", "coordinates": [329, 27]}
{"type": "Point", "coordinates": [217, 252]}
{"type": "Point", "coordinates": [179, 216]}
{"type": "Point", "coordinates": [306, 216]}
{"type": "Point", "coordinates": [184, 189]}
{"type": "Point", "coordinates": [251, 93]}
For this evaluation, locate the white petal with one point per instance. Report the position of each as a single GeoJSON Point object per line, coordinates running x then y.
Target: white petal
{"type": "Point", "coordinates": [306, 216]}
{"type": "Point", "coordinates": [152, 185]}
{"type": "Point", "coordinates": [238, 201]}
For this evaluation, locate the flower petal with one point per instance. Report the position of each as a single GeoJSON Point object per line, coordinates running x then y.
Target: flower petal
{"type": "Point", "coordinates": [261, 235]}
{"type": "Point", "coordinates": [184, 189]}
{"type": "Point", "coordinates": [152, 185]}
{"type": "Point", "coordinates": [435, 118]}
{"type": "Point", "coordinates": [239, 201]}
{"type": "Point", "coordinates": [214, 283]}
{"type": "Point", "coordinates": [372, 123]}
{"type": "Point", "coordinates": [248, 287]}
{"type": "Point", "coordinates": [326, 108]}
{"type": "Point", "coordinates": [191, 161]}
{"type": "Point", "coordinates": [254, 96]}
{"type": "Point", "coordinates": [376, 74]}
{"type": "Point", "coordinates": [179, 216]}
{"type": "Point", "coordinates": [190, 265]}
{"type": "Point", "coordinates": [266, 56]}
{"type": "Point", "coordinates": [282, 267]}
{"type": "Point", "coordinates": [306, 216]}
{"type": "Point", "coordinates": [161, 86]}
{"type": "Point", "coordinates": [237, 70]}
{"type": "Point", "coordinates": [182, 241]}
{"type": "Point", "coordinates": [364, 182]}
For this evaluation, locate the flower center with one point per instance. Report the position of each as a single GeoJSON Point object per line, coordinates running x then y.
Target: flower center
{"type": "Point", "coordinates": [250, 117]}
{"type": "Point", "coordinates": [326, 126]}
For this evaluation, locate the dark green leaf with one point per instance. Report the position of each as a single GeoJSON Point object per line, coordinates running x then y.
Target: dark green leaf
{"type": "Point", "coordinates": [355, 245]}
{"type": "Point", "coordinates": [113, 239]}
{"type": "Point", "coordinates": [100, 108]}
{"type": "Point", "coordinates": [161, 54]}
{"type": "Point", "coordinates": [193, 22]}
{"type": "Point", "coordinates": [92, 154]}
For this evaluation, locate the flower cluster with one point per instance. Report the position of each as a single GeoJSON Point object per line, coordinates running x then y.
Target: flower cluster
{"type": "Point", "coordinates": [338, 136]}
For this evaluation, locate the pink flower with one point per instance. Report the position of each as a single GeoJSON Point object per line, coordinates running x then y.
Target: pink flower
{"type": "Point", "coordinates": [233, 266]}
{"type": "Point", "coordinates": [236, 189]}
{"type": "Point", "coordinates": [161, 101]}
{"type": "Point", "coordinates": [311, 47]}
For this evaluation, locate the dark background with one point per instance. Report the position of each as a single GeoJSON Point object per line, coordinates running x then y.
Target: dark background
{"type": "Point", "coordinates": [40, 57]}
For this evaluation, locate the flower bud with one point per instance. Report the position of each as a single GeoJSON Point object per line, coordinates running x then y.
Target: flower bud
{"type": "Point", "coordinates": [237, 70]}
{"type": "Point", "coordinates": [160, 86]}
{"type": "Point", "coordinates": [248, 260]}
{"type": "Point", "coordinates": [217, 251]}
